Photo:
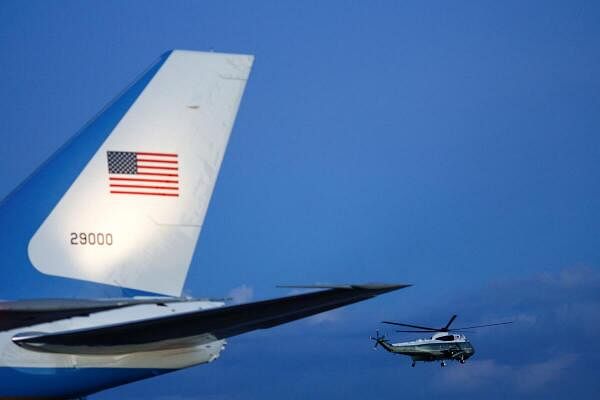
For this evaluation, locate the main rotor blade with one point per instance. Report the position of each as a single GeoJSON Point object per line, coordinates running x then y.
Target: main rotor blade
{"type": "Point", "coordinates": [411, 326]}
{"type": "Point", "coordinates": [421, 331]}
{"type": "Point", "coordinates": [449, 322]}
{"type": "Point", "coordinates": [481, 326]}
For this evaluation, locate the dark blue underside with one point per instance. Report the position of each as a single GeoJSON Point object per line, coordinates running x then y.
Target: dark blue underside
{"type": "Point", "coordinates": [67, 382]}
{"type": "Point", "coordinates": [23, 211]}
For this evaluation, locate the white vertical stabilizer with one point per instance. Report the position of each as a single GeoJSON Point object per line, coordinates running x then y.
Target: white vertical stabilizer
{"type": "Point", "coordinates": [133, 215]}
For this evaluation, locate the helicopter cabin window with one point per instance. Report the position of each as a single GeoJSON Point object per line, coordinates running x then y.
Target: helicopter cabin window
{"type": "Point", "coordinates": [447, 338]}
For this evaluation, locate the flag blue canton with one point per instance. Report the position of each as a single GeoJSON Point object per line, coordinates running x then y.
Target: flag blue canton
{"type": "Point", "coordinates": [122, 162]}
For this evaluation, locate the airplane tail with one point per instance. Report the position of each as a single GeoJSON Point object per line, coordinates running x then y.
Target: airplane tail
{"type": "Point", "coordinates": [119, 208]}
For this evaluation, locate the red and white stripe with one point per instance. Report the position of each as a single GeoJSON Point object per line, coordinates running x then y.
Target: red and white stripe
{"type": "Point", "coordinates": [157, 175]}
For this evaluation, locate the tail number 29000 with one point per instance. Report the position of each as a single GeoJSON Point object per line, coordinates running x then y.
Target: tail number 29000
{"type": "Point", "coordinates": [91, 239]}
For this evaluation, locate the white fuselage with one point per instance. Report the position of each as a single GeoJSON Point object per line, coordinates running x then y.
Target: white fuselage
{"type": "Point", "coordinates": [441, 346]}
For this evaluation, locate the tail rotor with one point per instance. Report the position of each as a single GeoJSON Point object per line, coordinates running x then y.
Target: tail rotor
{"type": "Point", "coordinates": [378, 339]}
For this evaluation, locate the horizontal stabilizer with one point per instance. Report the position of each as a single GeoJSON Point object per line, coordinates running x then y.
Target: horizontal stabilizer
{"type": "Point", "coordinates": [198, 327]}
{"type": "Point", "coordinates": [17, 314]}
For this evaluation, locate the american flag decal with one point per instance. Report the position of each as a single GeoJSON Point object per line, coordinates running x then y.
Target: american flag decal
{"type": "Point", "coordinates": [138, 173]}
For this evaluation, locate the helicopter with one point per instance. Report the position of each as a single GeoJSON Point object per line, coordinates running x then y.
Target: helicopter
{"type": "Point", "coordinates": [445, 344]}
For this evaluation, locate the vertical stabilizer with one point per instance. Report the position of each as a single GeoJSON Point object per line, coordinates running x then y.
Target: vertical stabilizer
{"type": "Point", "coordinates": [123, 203]}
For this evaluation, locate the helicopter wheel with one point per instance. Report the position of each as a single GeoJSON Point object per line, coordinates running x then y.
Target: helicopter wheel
{"type": "Point", "coordinates": [462, 360]}
{"type": "Point", "coordinates": [443, 364]}
{"type": "Point", "coordinates": [413, 364]}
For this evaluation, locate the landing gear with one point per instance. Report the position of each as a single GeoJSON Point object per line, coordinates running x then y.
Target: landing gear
{"type": "Point", "coordinates": [443, 364]}
{"type": "Point", "coordinates": [462, 360]}
{"type": "Point", "coordinates": [413, 364]}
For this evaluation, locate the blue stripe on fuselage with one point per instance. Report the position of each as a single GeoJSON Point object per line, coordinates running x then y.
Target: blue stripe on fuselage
{"type": "Point", "coordinates": [23, 211]}
{"type": "Point", "coordinates": [67, 382]}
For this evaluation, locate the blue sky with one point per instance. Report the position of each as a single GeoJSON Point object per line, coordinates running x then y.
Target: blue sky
{"type": "Point", "coordinates": [452, 145]}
